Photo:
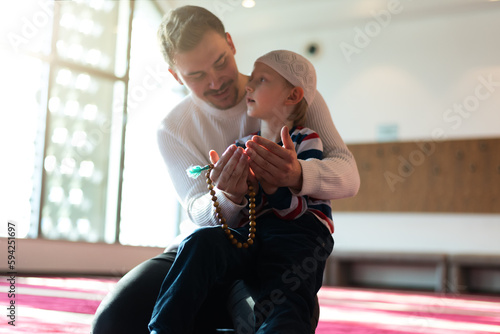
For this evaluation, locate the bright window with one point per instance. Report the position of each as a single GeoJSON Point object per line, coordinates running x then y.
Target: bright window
{"type": "Point", "coordinates": [84, 88]}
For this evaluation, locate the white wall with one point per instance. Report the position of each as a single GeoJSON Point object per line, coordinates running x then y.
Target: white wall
{"type": "Point", "coordinates": [420, 66]}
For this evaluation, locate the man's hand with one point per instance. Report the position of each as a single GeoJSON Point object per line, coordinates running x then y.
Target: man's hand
{"type": "Point", "coordinates": [275, 166]}
{"type": "Point", "coordinates": [230, 173]}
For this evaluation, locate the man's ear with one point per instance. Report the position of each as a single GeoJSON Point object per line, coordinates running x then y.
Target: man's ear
{"type": "Point", "coordinates": [296, 95]}
{"type": "Point", "coordinates": [230, 42]}
{"type": "Point", "coordinates": [174, 74]}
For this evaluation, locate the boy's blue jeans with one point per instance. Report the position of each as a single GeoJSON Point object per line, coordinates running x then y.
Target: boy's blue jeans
{"type": "Point", "coordinates": [284, 266]}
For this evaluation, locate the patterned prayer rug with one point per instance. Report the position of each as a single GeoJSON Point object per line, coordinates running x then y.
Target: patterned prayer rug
{"type": "Point", "coordinates": [67, 305]}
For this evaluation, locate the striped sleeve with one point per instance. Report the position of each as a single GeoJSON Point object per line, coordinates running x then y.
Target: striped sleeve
{"type": "Point", "coordinates": [285, 204]}
{"type": "Point", "coordinates": [308, 145]}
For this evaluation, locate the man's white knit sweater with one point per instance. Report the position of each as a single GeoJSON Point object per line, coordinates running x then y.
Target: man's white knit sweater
{"type": "Point", "coordinates": [193, 128]}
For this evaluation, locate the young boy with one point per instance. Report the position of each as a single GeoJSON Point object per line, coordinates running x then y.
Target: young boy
{"type": "Point", "coordinates": [284, 263]}
{"type": "Point", "coordinates": [281, 86]}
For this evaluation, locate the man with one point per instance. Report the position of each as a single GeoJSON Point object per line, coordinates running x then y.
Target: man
{"type": "Point", "coordinates": [200, 55]}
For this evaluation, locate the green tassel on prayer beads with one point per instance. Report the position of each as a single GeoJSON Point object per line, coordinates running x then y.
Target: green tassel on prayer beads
{"type": "Point", "coordinates": [195, 171]}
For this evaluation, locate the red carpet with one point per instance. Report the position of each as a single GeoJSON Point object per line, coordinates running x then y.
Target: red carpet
{"type": "Point", "coordinates": [67, 305]}
{"type": "Point", "coordinates": [366, 311]}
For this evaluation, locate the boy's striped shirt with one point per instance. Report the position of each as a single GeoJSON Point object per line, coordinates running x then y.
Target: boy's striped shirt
{"type": "Point", "coordinates": [283, 202]}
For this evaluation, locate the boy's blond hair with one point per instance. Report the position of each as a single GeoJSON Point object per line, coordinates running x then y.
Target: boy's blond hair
{"type": "Point", "coordinates": [298, 116]}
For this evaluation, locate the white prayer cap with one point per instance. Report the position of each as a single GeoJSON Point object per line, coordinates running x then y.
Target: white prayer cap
{"type": "Point", "coordinates": [293, 67]}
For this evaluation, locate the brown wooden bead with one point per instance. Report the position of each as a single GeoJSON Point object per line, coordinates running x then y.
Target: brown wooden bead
{"type": "Point", "coordinates": [222, 220]}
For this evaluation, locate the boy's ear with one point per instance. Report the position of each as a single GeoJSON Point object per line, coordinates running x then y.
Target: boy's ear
{"type": "Point", "coordinates": [296, 95]}
{"type": "Point", "coordinates": [174, 74]}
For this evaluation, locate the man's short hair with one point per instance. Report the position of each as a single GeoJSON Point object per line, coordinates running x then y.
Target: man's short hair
{"type": "Point", "coordinates": [183, 28]}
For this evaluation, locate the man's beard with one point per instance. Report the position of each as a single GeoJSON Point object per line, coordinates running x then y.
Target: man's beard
{"type": "Point", "coordinates": [227, 85]}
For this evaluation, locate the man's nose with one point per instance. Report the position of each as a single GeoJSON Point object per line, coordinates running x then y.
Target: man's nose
{"type": "Point", "coordinates": [214, 80]}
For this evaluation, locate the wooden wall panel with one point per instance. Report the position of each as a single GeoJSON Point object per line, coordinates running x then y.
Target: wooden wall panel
{"type": "Point", "coordinates": [442, 176]}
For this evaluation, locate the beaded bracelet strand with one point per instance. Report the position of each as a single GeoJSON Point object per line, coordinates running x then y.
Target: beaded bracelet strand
{"type": "Point", "coordinates": [194, 172]}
